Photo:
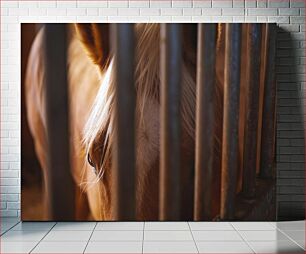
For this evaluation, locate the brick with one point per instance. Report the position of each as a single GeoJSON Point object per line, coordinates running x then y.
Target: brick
{"type": "Point", "coordinates": [160, 4]}
{"type": "Point", "coordinates": [292, 150]}
{"type": "Point", "coordinates": [291, 198]}
{"type": "Point", "coordinates": [291, 174]}
{"type": "Point", "coordinates": [9, 213]}
{"type": "Point", "coordinates": [222, 4]}
{"type": "Point", "coordinates": [202, 3]}
{"type": "Point", "coordinates": [139, 4]}
{"type": "Point", "coordinates": [297, 166]}
{"type": "Point", "coordinates": [288, 11]}
{"type": "Point", "coordinates": [9, 197]}
{"type": "Point", "coordinates": [278, 3]}
{"type": "Point", "coordinates": [128, 11]}
{"type": "Point", "coordinates": [9, 4]}
{"type": "Point", "coordinates": [262, 3]}
{"type": "Point", "coordinates": [155, 18]}
{"type": "Point", "coordinates": [57, 12]}
{"type": "Point", "coordinates": [290, 27]}
{"type": "Point", "coordinates": [47, 4]}
{"type": "Point", "coordinates": [290, 182]}
{"type": "Point", "coordinates": [279, 19]}
{"type": "Point", "coordinates": [2, 205]}
{"type": "Point", "coordinates": [297, 3]}
{"type": "Point", "coordinates": [211, 11]}
{"type": "Point", "coordinates": [171, 11]}
{"type": "Point", "coordinates": [233, 11]}
{"type": "Point", "coordinates": [150, 12]}
{"type": "Point", "coordinates": [239, 19]}
{"type": "Point", "coordinates": [297, 20]}
{"type": "Point", "coordinates": [192, 11]}
{"type": "Point", "coordinates": [66, 4]}
{"type": "Point", "coordinates": [262, 12]}
{"type": "Point", "coordinates": [13, 205]}
{"type": "Point", "coordinates": [250, 3]}
{"type": "Point", "coordinates": [182, 3]}
{"type": "Point", "coordinates": [37, 11]}
{"type": "Point", "coordinates": [92, 11]}
{"type": "Point", "coordinates": [108, 11]}
{"type": "Point", "coordinates": [181, 19]}
{"type": "Point", "coordinates": [76, 11]}
{"type": "Point", "coordinates": [291, 190]}
{"type": "Point", "coordinates": [297, 142]}
{"type": "Point", "coordinates": [18, 12]}
{"type": "Point", "coordinates": [203, 19]}
{"type": "Point", "coordinates": [9, 173]}
{"type": "Point", "coordinates": [118, 4]}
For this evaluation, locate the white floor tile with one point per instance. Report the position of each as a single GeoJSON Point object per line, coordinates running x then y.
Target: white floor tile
{"type": "Point", "coordinates": [166, 226]}
{"type": "Point", "coordinates": [60, 247]}
{"type": "Point", "coordinates": [114, 247]}
{"type": "Point", "coordinates": [69, 236]}
{"type": "Point", "coordinates": [203, 225]}
{"type": "Point", "coordinates": [276, 247]}
{"type": "Point", "coordinates": [6, 226]}
{"type": "Point", "coordinates": [33, 226]}
{"type": "Point", "coordinates": [274, 235]}
{"type": "Point", "coordinates": [23, 236]}
{"type": "Point", "coordinates": [216, 236]}
{"type": "Point", "coordinates": [291, 225]}
{"type": "Point", "coordinates": [301, 243]}
{"type": "Point", "coordinates": [258, 225]}
{"type": "Point", "coordinates": [120, 226]}
{"type": "Point", "coordinates": [223, 247]}
{"type": "Point", "coordinates": [169, 247]}
{"type": "Point", "coordinates": [17, 247]}
{"type": "Point", "coordinates": [99, 236]}
{"type": "Point", "coordinates": [70, 226]}
{"type": "Point", "coordinates": [295, 234]}
{"type": "Point", "coordinates": [167, 236]}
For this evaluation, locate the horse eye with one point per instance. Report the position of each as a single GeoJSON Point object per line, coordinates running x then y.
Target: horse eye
{"type": "Point", "coordinates": [90, 161]}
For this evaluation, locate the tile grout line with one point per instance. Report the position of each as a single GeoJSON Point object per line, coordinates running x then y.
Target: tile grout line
{"type": "Point", "coordinates": [290, 238]}
{"type": "Point", "coordinates": [90, 237]}
{"type": "Point", "coordinates": [247, 243]}
{"type": "Point", "coordinates": [193, 237]}
{"type": "Point", "coordinates": [143, 231]}
{"type": "Point", "coordinates": [10, 228]}
{"type": "Point", "coordinates": [42, 238]}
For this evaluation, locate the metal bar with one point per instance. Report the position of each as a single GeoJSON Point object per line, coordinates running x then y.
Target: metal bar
{"type": "Point", "coordinates": [252, 107]}
{"type": "Point", "coordinates": [205, 120]}
{"type": "Point", "coordinates": [124, 127]}
{"type": "Point", "coordinates": [171, 68]}
{"type": "Point", "coordinates": [269, 119]}
{"type": "Point", "coordinates": [230, 126]}
{"type": "Point", "coordinates": [60, 186]}
{"type": "Point", "coordinates": [261, 95]}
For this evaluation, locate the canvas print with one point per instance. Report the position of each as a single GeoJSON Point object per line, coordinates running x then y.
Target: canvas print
{"type": "Point", "coordinates": [148, 122]}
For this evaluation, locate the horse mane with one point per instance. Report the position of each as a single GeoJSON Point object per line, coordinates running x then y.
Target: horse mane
{"type": "Point", "coordinates": [98, 131]}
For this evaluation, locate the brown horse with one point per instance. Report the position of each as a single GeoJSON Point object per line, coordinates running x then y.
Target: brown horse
{"type": "Point", "coordinates": [91, 90]}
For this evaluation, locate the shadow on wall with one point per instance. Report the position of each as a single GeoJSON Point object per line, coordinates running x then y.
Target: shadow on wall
{"type": "Point", "coordinates": [290, 143]}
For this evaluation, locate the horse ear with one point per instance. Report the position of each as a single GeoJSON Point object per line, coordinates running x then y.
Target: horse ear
{"type": "Point", "coordinates": [95, 39]}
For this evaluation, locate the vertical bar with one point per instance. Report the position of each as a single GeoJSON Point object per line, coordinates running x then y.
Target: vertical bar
{"type": "Point", "coordinates": [252, 107]}
{"type": "Point", "coordinates": [261, 94]}
{"type": "Point", "coordinates": [205, 120]}
{"type": "Point", "coordinates": [124, 126]}
{"type": "Point", "coordinates": [230, 126]}
{"type": "Point", "coordinates": [268, 119]}
{"type": "Point", "coordinates": [60, 184]}
{"type": "Point", "coordinates": [171, 68]}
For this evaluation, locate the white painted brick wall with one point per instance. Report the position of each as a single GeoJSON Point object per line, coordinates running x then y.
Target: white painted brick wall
{"type": "Point", "coordinates": [289, 14]}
